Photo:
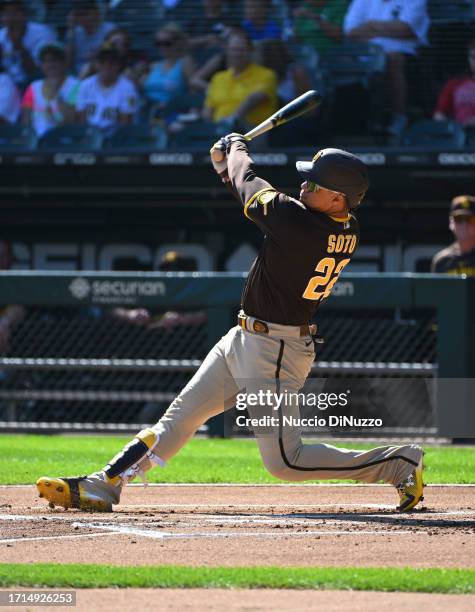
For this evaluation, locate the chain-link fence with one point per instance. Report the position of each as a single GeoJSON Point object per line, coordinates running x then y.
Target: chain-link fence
{"type": "Point", "coordinates": [89, 367]}
{"type": "Point", "coordinates": [386, 359]}
{"type": "Point", "coordinates": [111, 351]}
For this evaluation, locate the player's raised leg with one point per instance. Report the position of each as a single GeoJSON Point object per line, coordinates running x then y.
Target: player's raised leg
{"type": "Point", "coordinates": [204, 396]}
{"type": "Point", "coordinates": [284, 363]}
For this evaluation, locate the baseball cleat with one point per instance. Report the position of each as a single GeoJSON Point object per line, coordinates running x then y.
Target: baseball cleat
{"type": "Point", "coordinates": [86, 492]}
{"type": "Point", "coordinates": [411, 490]}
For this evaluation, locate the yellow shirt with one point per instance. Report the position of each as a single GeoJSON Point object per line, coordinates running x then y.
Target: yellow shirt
{"type": "Point", "coordinates": [227, 91]}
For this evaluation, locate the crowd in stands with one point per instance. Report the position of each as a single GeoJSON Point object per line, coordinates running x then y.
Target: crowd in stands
{"type": "Point", "coordinates": [107, 63]}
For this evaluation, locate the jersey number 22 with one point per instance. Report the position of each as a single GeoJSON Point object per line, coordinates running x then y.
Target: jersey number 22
{"type": "Point", "coordinates": [320, 287]}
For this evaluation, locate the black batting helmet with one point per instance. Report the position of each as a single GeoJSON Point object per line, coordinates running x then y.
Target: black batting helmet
{"type": "Point", "coordinates": [337, 170]}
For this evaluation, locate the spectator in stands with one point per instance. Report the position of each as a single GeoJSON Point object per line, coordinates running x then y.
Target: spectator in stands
{"type": "Point", "coordinates": [245, 93]}
{"type": "Point", "coordinates": [21, 41]}
{"type": "Point", "coordinates": [457, 99]}
{"type": "Point", "coordinates": [170, 77]}
{"type": "Point", "coordinates": [107, 99]}
{"type": "Point", "coordinates": [293, 80]}
{"type": "Point", "coordinates": [459, 257]}
{"type": "Point", "coordinates": [399, 27]}
{"type": "Point", "coordinates": [257, 21]}
{"type": "Point", "coordinates": [86, 33]}
{"type": "Point", "coordinates": [319, 23]}
{"type": "Point", "coordinates": [9, 97]}
{"type": "Point", "coordinates": [134, 62]}
{"type": "Point", "coordinates": [51, 102]}
{"type": "Point", "coordinates": [13, 314]}
{"type": "Point", "coordinates": [211, 24]}
{"type": "Point", "coordinates": [208, 38]}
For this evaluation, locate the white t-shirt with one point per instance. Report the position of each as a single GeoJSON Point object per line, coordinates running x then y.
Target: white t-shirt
{"type": "Point", "coordinates": [46, 113]}
{"type": "Point", "coordinates": [103, 104]}
{"type": "Point", "coordinates": [35, 37]}
{"type": "Point", "coordinates": [412, 12]}
{"type": "Point", "coordinates": [9, 99]}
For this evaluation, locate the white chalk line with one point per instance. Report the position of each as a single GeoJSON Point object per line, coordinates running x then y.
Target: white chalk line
{"type": "Point", "coordinates": [189, 536]}
{"type": "Point", "coordinates": [212, 519]}
{"type": "Point", "coordinates": [60, 537]}
{"type": "Point", "coordinates": [117, 529]}
{"type": "Point", "coordinates": [163, 535]}
{"type": "Point", "coordinates": [114, 529]}
{"type": "Point", "coordinates": [219, 519]}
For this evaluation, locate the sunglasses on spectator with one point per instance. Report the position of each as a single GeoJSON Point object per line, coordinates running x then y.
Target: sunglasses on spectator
{"type": "Point", "coordinates": [470, 220]}
{"type": "Point", "coordinates": [311, 186]}
{"type": "Point", "coordinates": [164, 43]}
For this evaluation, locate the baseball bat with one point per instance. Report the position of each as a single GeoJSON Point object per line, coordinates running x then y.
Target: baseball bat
{"type": "Point", "coordinates": [303, 104]}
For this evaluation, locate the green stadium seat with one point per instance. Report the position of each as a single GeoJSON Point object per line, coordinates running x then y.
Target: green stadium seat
{"type": "Point", "coordinates": [72, 138]}
{"type": "Point", "coordinates": [434, 134]}
{"type": "Point", "coordinates": [16, 138]}
{"type": "Point", "coordinates": [354, 62]}
{"type": "Point", "coordinates": [176, 106]}
{"type": "Point", "coordinates": [137, 138]}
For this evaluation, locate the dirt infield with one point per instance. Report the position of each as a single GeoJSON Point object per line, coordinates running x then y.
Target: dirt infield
{"type": "Point", "coordinates": [277, 600]}
{"type": "Point", "coordinates": [303, 525]}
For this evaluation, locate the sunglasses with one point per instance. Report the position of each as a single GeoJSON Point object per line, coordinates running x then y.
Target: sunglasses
{"type": "Point", "coordinates": [469, 220]}
{"type": "Point", "coordinates": [311, 186]}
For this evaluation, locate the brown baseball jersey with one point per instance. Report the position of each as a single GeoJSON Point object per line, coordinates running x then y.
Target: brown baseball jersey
{"type": "Point", "coordinates": [452, 261]}
{"type": "Point", "coordinates": [303, 251]}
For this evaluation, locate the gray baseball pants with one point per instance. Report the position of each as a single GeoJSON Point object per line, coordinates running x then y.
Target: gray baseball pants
{"type": "Point", "coordinates": [278, 361]}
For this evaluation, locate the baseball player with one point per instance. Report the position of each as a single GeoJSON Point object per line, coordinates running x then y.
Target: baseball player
{"type": "Point", "coordinates": [459, 257]}
{"type": "Point", "coordinates": [307, 243]}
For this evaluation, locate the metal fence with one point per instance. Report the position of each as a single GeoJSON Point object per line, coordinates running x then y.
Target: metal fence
{"type": "Point", "coordinates": [74, 361]}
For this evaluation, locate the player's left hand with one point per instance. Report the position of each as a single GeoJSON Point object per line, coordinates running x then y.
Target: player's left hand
{"type": "Point", "coordinates": [229, 139]}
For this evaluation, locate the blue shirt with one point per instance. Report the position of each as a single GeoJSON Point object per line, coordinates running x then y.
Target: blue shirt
{"type": "Point", "coordinates": [270, 30]}
{"type": "Point", "coordinates": [162, 86]}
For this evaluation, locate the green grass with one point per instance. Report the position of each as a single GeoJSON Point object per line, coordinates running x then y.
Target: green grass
{"type": "Point", "coordinates": [173, 576]}
{"type": "Point", "coordinates": [23, 458]}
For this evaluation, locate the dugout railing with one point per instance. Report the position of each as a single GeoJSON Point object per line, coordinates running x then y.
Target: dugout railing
{"type": "Point", "coordinates": [405, 343]}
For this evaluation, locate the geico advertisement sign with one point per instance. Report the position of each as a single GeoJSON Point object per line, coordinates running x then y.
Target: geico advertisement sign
{"type": "Point", "coordinates": [110, 291]}
{"type": "Point", "coordinates": [398, 257]}
{"type": "Point", "coordinates": [104, 257]}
